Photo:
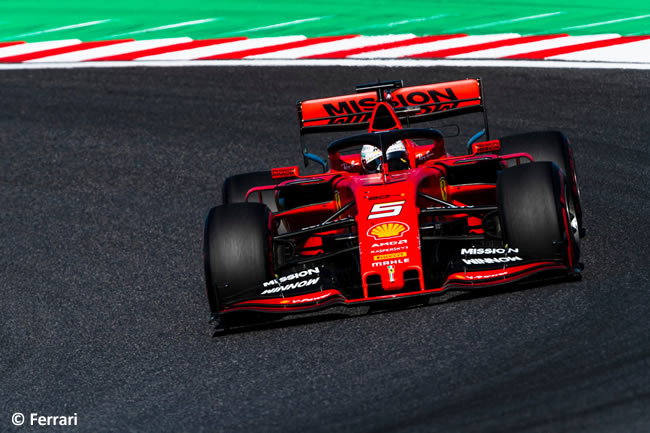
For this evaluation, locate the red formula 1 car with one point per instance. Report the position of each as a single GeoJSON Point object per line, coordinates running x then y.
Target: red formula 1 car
{"type": "Point", "coordinates": [393, 214]}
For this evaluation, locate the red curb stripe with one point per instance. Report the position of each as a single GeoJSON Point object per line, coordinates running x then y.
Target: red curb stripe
{"type": "Point", "coordinates": [61, 50]}
{"type": "Point", "coordinates": [169, 48]}
{"type": "Point", "coordinates": [579, 47]}
{"type": "Point", "coordinates": [384, 46]}
{"type": "Point", "coordinates": [485, 46]}
{"type": "Point", "coordinates": [9, 44]}
{"type": "Point", "coordinates": [270, 49]}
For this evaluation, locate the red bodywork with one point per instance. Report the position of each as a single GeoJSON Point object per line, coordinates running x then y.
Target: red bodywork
{"type": "Point", "coordinates": [388, 214]}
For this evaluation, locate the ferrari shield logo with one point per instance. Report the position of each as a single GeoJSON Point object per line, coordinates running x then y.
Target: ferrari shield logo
{"type": "Point", "coordinates": [443, 188]}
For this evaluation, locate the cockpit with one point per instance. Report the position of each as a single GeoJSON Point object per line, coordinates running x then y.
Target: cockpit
{"type": "Point", "coordinates": [393, 151]}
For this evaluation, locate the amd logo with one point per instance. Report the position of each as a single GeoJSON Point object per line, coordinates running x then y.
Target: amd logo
{"type": "Point", "coordinates": [389, 243]}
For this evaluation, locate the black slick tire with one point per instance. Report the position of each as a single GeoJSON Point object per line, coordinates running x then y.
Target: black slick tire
{"type": "Point", "coordinates": [236, 252]}
{"type": "Point", "coordinates": [548, 146]}
{"type": "Point", "coordinates": [534, 211]}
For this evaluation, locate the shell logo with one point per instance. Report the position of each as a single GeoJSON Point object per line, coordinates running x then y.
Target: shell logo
{"type": "Point", "coordinates": [388, 230]}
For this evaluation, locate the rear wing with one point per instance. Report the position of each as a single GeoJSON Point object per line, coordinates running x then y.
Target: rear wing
{"type": "Point", "coordinates": [415, 104]}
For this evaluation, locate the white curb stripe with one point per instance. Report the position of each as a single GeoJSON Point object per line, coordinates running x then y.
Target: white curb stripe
{"type": "Point", "coordinates": [16, 50]}
{"type": "Point", "coordinates": [228, 47]}
{"type": "Point", "coordinates": [495, 53]}
{"type": "Point", "coordinates": [461, 41]}
{"type": "Point", "coordinates": [625, 50]}
{"type": "Point", "coordinates": [331, 47]}
{"type": "Point", "coordinates": [631, 52]}
{"type": "Point", "coordinates": [391, 63]}
{"type": "Point", "coordinates": [110, 50]}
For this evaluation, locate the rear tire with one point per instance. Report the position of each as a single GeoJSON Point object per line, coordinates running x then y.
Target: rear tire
{"type": "Point", "coordinates": [236, 187]}
{"type": "Point", "coordinates": [236, 252]}
{"type": "Point", "coordinates": [534, 210]}
{"type": "Point", "coordinates": [548, 146]}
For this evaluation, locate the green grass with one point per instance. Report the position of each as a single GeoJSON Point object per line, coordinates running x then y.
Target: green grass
{"type": "Point", "coordinates": [30, 20]}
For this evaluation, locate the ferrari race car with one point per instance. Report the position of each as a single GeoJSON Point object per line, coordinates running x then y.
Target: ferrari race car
{"type": "Point", "coordinates": [392, 215]}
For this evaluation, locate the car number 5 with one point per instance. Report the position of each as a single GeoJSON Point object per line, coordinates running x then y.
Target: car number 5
{"type": "Point", "coordinates": [383, 210]}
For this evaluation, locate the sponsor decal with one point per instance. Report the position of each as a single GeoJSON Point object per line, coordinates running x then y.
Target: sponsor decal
{"type": "Point", "coordinates": [492, 260]}
{"type": "Point", "coordinates": [389, 256]}
{"type": "Point", "coordinates": [356, 111]}
{"type": "Point", "coordinates": [389, 246]}
{"type": "Point", "coordinates": [443, 188]}
{"type": "Point", "coordinates": [391, 273]}
{"type": "Point", "coordinates": [378, 197]}
{"type": "Point", "coordinates": [277, 285]}
{"type": "Point", "coordinates": [310, 299]}
{"type": "Point", "coordinates": [481, 251]}
{"type": "Point", "coordinates": [353, 111]}
{"type": "Point", "coordinates": [337, 200]}
{"type": "Point", "coordinates": [485, 276]}
{"type": "Point", "coordinates": [389, 250]}
{"type": "Point", "coordinates": [388, 230]}
{"type": "Point", "coordinates": [388, 209]}
{"type": "Point", "coordinates": [391, 262]}
{"type": "Point", "coordinates": [390, 243]}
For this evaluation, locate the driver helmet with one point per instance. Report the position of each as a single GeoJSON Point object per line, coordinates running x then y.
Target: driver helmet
{"type": "Point", "coordinates": [371, 158]}
{"type": "Point", "coordinates": [395, 155]}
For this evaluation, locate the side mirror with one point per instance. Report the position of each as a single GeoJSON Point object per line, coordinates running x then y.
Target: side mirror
{"type": "Point", "coordinates": [317, 159]}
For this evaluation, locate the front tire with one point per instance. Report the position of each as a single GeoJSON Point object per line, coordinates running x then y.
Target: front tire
{"type": "Point", "coordinates": [535, 212]}
{"type": "Point", "coordinates": [550, 146]}
{"type": "Point", "coordinates": [236, 252]}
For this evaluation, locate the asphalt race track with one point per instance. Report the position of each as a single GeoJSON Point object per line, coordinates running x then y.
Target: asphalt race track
{"type": "Point", "coordinates": [106, 176]}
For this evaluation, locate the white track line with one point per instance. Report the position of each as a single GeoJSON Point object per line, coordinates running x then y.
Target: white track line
{"type": "Point", "coordinates": [275, 26]}
{"type": "Point", "coordinates": [331, 47]}
{"type": "Point", "coordinates": [503, 22]}
{"type": "Point", "coordinates": [111, 50]}
{"type": "Point", "coordinates": [394, 63]}
{"type": "Point", "coordinates": [638, 51]}
{"type": "Point", "coordinates": [355, 30]}
{"type": "Point", "coordinates": [228, 47]}
{"type": "Point", "coordinates": [602, 23]}
{"type": "Point", "coordinates": [410, 50]}
{"type": "Point", "coordinates": [169, 26]}
{"type": "Point", "coordinates": [495, 53]}
{"type": "Point", "coordinates": [58, 29]}
{"type": "Point", "coordinates": [32, 47]}
{"type": "Point", "coordinates": [411, 21]}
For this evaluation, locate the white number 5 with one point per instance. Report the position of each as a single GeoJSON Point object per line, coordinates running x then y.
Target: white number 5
{"type": "Point", "coordinates": [382, 210]}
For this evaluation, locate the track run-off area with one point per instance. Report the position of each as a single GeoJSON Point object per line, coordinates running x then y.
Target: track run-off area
{"type": "Point", "coordinates": [106, 176]}
{"type": "Point", "coordinates": [35, 20]}
{"type": "Point", "coordinates": [72, 31]}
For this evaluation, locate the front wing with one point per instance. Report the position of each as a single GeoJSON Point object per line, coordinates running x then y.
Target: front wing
{"type": "Point", "coordinates": [318, 287]}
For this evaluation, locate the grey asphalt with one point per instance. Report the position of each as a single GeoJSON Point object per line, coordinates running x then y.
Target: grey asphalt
{"type": "Point", "coordinates": [106, 176]}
